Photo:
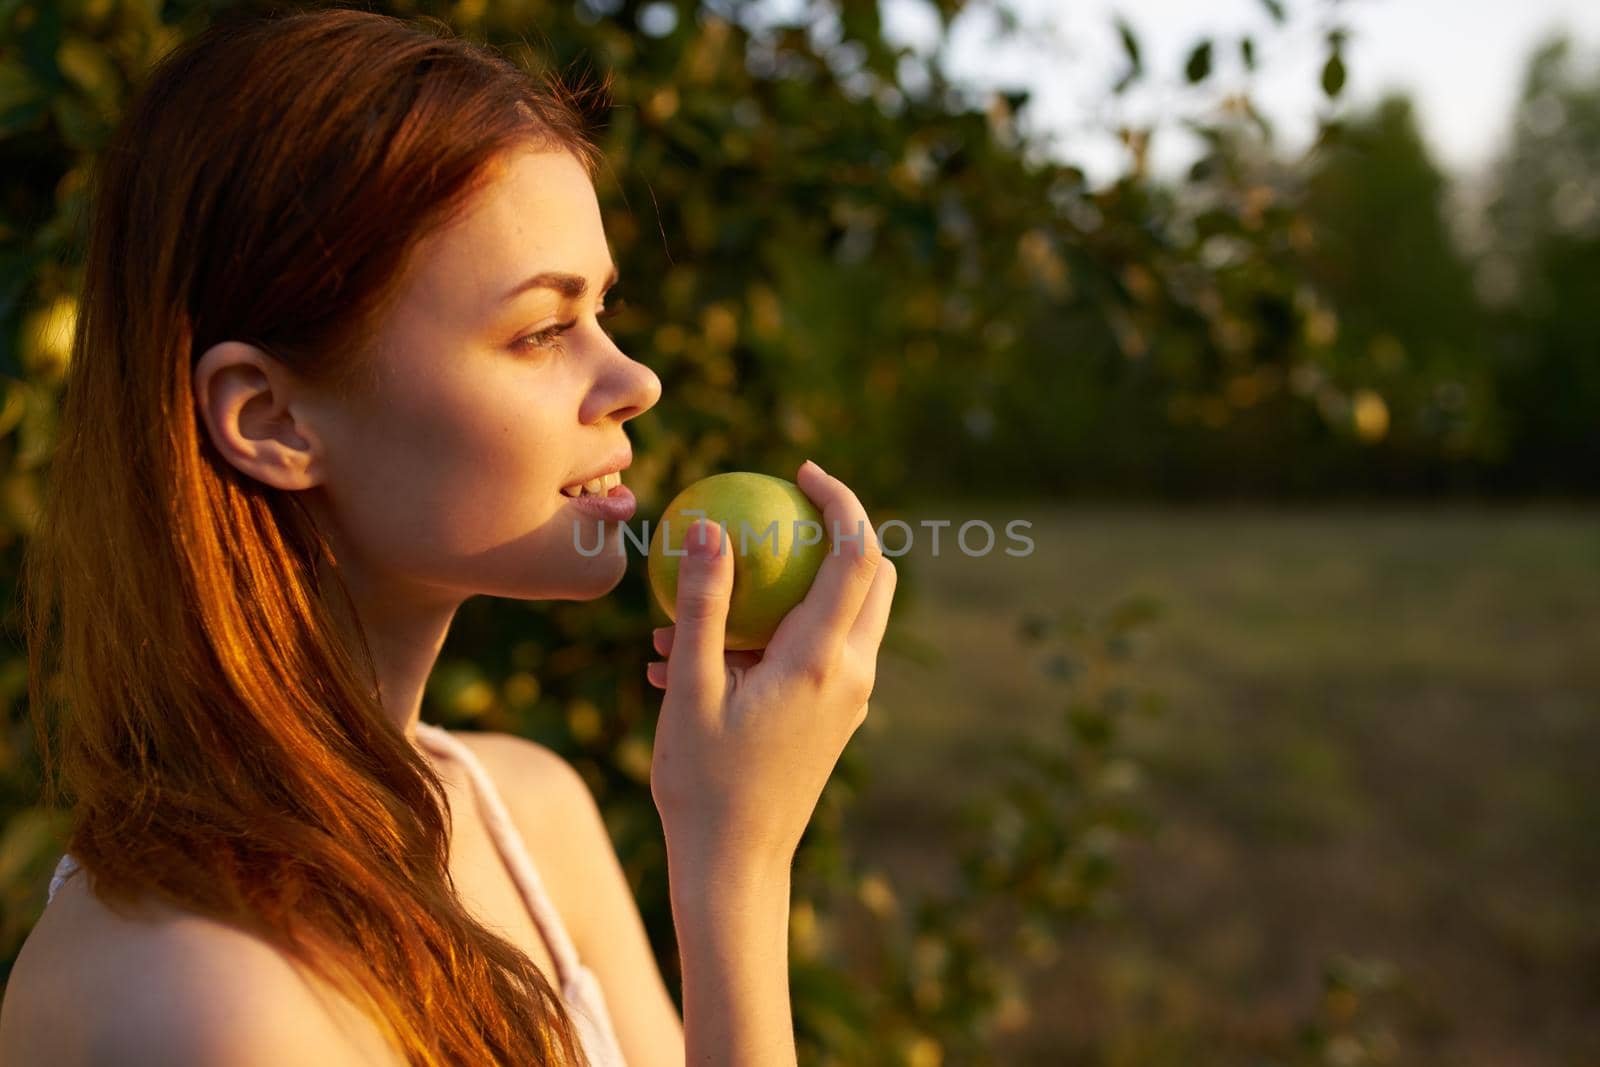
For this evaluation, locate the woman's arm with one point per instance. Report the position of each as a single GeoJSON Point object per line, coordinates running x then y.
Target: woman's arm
{"type": "Point", "coordinates": [732, 919]}
{"type": "Point", "coordinates": [741, 756]}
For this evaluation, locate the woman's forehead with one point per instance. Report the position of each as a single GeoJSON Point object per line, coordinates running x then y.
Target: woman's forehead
{"type": "Point", "coordinates": [537, 213]}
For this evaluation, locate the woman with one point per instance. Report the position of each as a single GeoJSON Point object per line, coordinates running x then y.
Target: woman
{"type": "Point", "coordinates": [339, 366]}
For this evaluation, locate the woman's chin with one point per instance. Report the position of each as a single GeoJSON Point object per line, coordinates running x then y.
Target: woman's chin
{"type": "Point", "coordinates": [562, 570]}
{"type": "Point", "coordinates": [589, 577]}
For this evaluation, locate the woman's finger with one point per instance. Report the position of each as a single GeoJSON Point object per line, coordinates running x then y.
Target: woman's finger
{"type": "Point", "coordinates": [866, 633]}
{"type": "Point", "coordinates": [662, 636]}
{"type": "Point", "coordinates": [818, 623]}
{"type": "Point", "coordinates": [705, 584]}
{"type": "Point", "coordinates": [655, 671]}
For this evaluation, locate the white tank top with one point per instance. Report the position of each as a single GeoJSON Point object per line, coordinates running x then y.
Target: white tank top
{"type": "Point", "coordinates": [580, 989]}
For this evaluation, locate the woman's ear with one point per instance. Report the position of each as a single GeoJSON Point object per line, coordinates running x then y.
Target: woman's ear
{"type": "Point", "coordinates": [244, 399]}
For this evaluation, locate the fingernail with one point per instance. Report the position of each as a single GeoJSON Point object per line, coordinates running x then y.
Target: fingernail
{"type": "Point", "coordinates": [705, 539]}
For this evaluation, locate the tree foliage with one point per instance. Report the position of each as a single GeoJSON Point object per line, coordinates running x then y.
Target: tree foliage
{"type": "Point", "coordinates": [831, 252]}
{"type": "Point", "coordinates": [1542, 276]}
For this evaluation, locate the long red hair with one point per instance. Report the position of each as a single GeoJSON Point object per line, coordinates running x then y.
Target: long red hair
{"type": "Point", "coordinates": [212, 723]}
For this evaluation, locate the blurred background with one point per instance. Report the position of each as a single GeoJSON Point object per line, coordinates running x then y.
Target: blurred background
{"type": "Point", "coordinates": [1278, 321]}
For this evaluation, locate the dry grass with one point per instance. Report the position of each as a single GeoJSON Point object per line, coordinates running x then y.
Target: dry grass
{"type": "Point", "coordinates": [1383, 737]}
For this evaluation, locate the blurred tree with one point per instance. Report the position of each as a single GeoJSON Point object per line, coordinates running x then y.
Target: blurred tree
{"type": "Point", "coordinates": [1543, 277]}
{"type": "Point", "coordinates": [807, 233]}
{"type": "Point", "coordinates": [829, 251]}
{"type": "Point", "coordinates": [1412, 347]}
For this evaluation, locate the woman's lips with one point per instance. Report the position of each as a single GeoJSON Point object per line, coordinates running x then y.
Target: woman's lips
{"type": "Point", "coordinates": [616, 506]}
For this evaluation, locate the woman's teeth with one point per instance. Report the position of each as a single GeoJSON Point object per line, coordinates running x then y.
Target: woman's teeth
{"type": "Point", "coordinates": [595, 486]}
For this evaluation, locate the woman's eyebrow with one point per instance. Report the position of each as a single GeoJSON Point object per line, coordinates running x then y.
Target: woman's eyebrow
{"type": "Point", "coordinates": [570, 286]}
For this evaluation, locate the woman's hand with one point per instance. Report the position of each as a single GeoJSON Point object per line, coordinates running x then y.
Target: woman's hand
{"type": "Point", "coordinates": [747, 740]}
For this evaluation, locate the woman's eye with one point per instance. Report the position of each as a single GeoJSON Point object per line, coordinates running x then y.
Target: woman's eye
{"type": "Point", "coordinates": [550, 336]}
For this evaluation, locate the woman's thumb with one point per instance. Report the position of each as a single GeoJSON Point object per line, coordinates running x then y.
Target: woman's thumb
{"type": "Point", "coordinates": [705, 584]}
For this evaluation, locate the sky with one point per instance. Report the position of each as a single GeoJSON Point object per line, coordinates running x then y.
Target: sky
{"type": "Point", "coordinates": [1462, 61]}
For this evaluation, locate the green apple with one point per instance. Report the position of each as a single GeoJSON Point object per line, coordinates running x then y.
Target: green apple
{"type": "Point", "coordinates": [775, 535]}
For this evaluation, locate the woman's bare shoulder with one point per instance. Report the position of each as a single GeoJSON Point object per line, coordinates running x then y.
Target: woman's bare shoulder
{"type": "Point", "coordinates": [540, 787]}
{"type": "Point", "coordinates": [552, 807]}
{"type": "Point", "coordinates": [91, 986]}
{"type": "Point", "coordinates": [533, 765]}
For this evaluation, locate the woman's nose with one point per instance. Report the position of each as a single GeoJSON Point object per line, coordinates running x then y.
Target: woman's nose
{"type": "Point", "coordinates": [627, 388]}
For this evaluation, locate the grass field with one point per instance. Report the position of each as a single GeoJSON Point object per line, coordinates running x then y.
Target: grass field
{"type": "Point", "coordinates": [1382, 743]}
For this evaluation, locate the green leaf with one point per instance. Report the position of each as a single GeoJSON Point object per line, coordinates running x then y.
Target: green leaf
{"type": "Point", "coordinates": [15, 269]}
{"type": "Point", "coordinates": [80, 126]}
{"type": "Point", "coordinates": [22, 99]}
{"type": "Point", "coordinates": [1333, 75]}
{"type": "Point", "coordinates": [10, 365]}
{"type": "Point", "coordinates": [1130, 46]}
{"type": "Point", "coordinates": [40, 42]}
{"type": "Point", "coordinates": [1247, 52]}
{"type": "Point", "coordinates": [1275, 8]}
{"type": "Point", "coordinates": [1089, 724]}
{"type": "Point", "coordinates": [861, 22]}
{"type": "Point", "coordinates": [1198, 69]}
{"type": "Point", "coordinates": [1133, 613]}
{"type": "Point", "coordinates": [87, 65]}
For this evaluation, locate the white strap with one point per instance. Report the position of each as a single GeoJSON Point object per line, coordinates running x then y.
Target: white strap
{"type": "Point", "coordinates": [512, 849]}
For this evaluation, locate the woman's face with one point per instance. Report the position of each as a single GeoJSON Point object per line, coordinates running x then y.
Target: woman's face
{"type": "Point", "coordinates": [491, 396]}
